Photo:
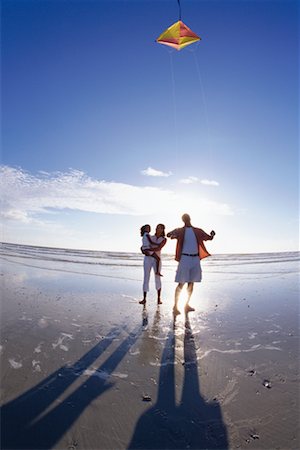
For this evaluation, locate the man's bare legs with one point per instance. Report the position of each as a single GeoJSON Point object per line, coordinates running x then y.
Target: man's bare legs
{"type": "Point", "coordinates": [177, 294]}
{"type": "Point", "coordinates": [178, 290]}
{"type": "Point", "coordinates": [190, 288]}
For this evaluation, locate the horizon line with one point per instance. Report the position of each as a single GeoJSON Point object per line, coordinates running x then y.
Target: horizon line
{"type": "Point", "coordinates": [124, 252]}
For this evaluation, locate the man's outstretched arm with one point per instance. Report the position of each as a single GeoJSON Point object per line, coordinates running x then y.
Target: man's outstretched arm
{"type": "Point", "coordinates": [207, 237]}
{"type": "Point", "coordinates": [173, 234]}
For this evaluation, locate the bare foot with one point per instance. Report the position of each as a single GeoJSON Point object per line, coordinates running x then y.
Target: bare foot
{"type": "Point", "coordinates": [142, 302]}
{"type": "Point", "coordinates": [159, 302]}
{"type": "Point", "coordinates": [188, 308]}
{"type": "Point", "coordinates": [176, 311]}
{"type": "Point", "coordinates": [159, 274]}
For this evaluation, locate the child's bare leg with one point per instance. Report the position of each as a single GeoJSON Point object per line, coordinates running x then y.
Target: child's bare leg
{"type": "Point", "coordinates": [157, 258]}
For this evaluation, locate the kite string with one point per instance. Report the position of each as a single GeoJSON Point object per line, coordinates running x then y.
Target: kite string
{"type": "Point", "coordinates": [205, 108]}
{"type": "Point", "coordinates": [174, 105]}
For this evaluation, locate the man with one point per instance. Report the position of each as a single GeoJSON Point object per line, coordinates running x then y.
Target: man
{"type": "Point", "coordinates": [189, 250]}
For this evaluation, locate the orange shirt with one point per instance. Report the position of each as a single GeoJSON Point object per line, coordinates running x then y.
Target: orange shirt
{"type": "Point", "coordinates": [201, 236]}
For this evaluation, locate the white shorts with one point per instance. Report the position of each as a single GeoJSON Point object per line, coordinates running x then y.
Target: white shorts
{"type": "Point", "coordinates": [188, 270]}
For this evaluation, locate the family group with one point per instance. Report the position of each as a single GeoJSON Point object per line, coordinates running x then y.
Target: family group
{"type": "Point", "coordinates": [190, 249]}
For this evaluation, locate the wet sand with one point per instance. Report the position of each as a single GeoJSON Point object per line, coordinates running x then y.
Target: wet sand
{"type": "Point", "coordinates": [84, 366]}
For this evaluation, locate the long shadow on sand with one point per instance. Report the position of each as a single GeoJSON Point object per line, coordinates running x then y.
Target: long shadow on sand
{"type": "Point", "coordinates": [26, 422]}
{"type": "Point", "coordinates": [194, 423]}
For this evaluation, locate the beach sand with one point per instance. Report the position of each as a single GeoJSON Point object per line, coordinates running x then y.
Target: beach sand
{"type": "Point", "coordinates": [84, 366]}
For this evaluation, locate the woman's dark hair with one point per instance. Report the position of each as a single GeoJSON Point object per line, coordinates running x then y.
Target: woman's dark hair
{"type": "Point", "coordinates": [144, 229]}
{"type": "Point", "coordinates": [163, 227]}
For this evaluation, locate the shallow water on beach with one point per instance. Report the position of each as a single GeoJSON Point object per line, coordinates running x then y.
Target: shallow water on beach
{"type": "Point", "coordinates": [230, 282]}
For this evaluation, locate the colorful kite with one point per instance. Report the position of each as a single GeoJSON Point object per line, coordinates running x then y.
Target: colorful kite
{"type": "Point", "coordinates": [178, 36]}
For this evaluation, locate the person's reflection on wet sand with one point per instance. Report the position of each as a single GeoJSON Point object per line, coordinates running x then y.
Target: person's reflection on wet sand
{"type": "Point", "coordinates": [156, 320]}
{"type": "Point", "coordinates": [150, 344]}
{"type": "Point", "coordinates": [144, 317]}
{"type": "Point", "coordinates": [193, 423]}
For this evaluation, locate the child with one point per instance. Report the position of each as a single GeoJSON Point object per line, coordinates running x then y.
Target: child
{"type": "Point", "coordinates": [146, 246]}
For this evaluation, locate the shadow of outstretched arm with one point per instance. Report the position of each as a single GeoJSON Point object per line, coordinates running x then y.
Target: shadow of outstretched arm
{"type": "Point", "coordinates": [23, 424]}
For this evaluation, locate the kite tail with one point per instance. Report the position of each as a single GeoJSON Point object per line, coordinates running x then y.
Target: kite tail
{"type": "Point", "coordinates": [179, 6]}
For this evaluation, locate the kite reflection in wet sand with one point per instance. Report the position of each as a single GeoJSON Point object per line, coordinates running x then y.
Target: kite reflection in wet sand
{"type": "Point", "coordinates": [178, 36]}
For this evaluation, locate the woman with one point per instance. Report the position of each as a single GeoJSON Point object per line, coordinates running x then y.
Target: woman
{"type": "Point", "coordinates": [149, 263]}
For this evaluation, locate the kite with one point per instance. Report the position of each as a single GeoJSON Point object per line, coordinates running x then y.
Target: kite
{"type": "Point", "coordinates": [178, 36]}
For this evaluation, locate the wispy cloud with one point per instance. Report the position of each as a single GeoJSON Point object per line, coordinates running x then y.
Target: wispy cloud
{"type": "Point", "coordinates": [25, 197]}
{"type": "Point", "coordinates": [150, 172]}
{"type": "Point", "coordinates": [210, 182]}
{"type": "Point", "coordinates": [191, 180]}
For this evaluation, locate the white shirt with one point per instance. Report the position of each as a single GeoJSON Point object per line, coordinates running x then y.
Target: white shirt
{"type": "Point", "coordinates": [190, 244]}
{"type": "Point", "coordinates": [157, 240]}
{"type": "Point", "coordinates": [146, 245]}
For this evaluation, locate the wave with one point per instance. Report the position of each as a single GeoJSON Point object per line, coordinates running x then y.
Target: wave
{"type": "Point", "coordinates": [229, 263]}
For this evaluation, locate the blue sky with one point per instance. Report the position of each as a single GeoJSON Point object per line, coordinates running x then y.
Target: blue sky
{"type": "Point", "coordinates": [104, 130]}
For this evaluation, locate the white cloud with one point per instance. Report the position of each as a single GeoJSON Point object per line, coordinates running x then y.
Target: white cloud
{"type": "Point", "coordinates": [25, 197]}
{"type": "Point", "coordinates": [210, 182]}
{"type": "Point", "coordinates": [150, 172]}
{"type": "Point", "coordinates": [14, 214]}
{"type": "Point", "coordinates": [189, 180]}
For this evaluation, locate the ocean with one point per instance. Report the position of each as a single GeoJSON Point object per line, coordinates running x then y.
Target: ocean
{"type": "Point", "coordinates": [118, 264]}
{"type": "Point", "coordinates": [75, 260]}
{"type": "Point", "coordinates": [106, 267]}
